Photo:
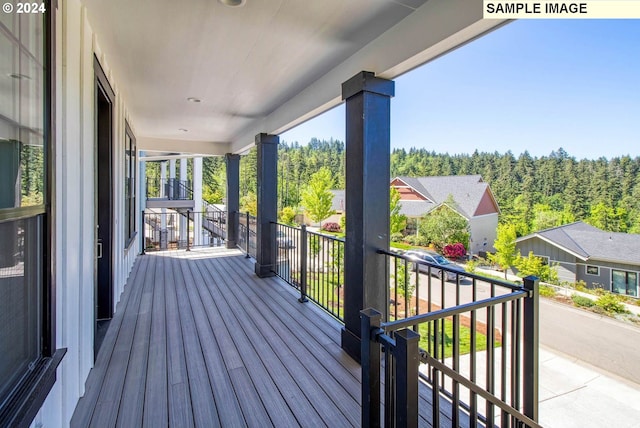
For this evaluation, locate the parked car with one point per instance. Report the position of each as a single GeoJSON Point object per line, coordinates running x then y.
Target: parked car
{"type": "Point", "coordinates": [283, 241]}
{"type": "Point", "coordinates": [434, 259]}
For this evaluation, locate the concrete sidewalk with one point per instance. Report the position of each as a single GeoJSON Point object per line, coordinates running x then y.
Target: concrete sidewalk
{"type": "Point", "coordinates": [575, 394]}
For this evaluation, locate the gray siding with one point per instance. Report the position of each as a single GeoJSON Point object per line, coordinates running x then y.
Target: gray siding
{"type": "Point", "coordinates": [542, 248]}
{"type": "Point", "coordinates": [572, 269]}
{"type": "Point", "coordinates": [603, 280]}
{"type": "Point", "coordinates": [566, 271]}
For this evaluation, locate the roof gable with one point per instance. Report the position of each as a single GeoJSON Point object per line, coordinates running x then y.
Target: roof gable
{"type": "Point", "coordinates": [487, 204]}
{"type": "Point", "coordinates": [472, 195]}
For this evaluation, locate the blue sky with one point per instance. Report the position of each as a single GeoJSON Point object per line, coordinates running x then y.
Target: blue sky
{"type": "Point", "coordinates": [533, 85]}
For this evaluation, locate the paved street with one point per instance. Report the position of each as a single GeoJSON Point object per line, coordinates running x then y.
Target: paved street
{"type": "Point", "coordinates": [589, 364]}
{"type": "Point", "coordinates": [598, 340]}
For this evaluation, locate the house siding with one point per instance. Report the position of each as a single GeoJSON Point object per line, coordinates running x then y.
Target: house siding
{"type": "Point", "coordinates": [603, 280]}
{"type": "Point", "coordinates": [74, 208]}
{"type": "Point", "coordinates": [543, 248]}
{"type": "Point", "coordinates": [572, 269]}
{"type": "Point", "coordinates": [407, 194]}
{"type": "Point", "coordinates": [483, 231]}
{"type": "Point", "coordinates": [566, 271]}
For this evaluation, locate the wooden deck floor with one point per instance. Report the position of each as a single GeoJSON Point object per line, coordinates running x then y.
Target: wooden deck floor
{"type": "Point", "coordinates": [199, 340]}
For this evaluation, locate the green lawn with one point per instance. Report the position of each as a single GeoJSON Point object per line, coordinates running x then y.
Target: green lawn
{"type": "Point", "coordinates": [322, 287]}
{"type": "Point", "coordinates": [464, 339]}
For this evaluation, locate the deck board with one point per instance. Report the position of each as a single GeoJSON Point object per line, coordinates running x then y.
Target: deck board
{"type": "Point", "coordinates": [199, 340]}
{"type": "Point", "coordinates": [156, 413]}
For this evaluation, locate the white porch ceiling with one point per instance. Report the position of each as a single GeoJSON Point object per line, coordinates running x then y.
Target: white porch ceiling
{"type": "Point", "coordinates": [262, 67]}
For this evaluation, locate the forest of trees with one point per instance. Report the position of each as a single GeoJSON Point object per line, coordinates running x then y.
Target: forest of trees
{"type": "Point", "coordinates": [533, 193]}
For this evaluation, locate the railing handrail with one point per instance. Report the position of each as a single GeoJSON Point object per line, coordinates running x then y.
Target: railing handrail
{"type": "Point", "coordinates": [470, 275]}
{"type": "Point", "coordinates": [454, 310]}
{"type": "Point", "coordinates": [212, 206]}
{"type": "Point", "coordinates": [428, 359]}
{"type": "Point", "coordinates": [324, 235]}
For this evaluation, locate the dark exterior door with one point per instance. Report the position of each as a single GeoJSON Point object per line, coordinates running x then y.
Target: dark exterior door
{"type": "Point", "coordinates": [104, 201]}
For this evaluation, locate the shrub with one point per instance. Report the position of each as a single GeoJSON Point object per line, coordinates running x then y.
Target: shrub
{"type": "Point", "coordinates": [580, 286]}
{"type": "Point", "coordinates": [331, 227]}
{"type": "Point", "coordinates": [287, 215]}
{"type": "Point", "coordinates": [534, 265]}
{"type": "Point", "coordinates": [471, 266]}
{"type": "Point", "coordinates": [611, 304]}
{"type": "Point", "coordinates": [455, 251]}
{"type": "Point", "coordinates": [582, 301]}
{"type": "Point", "coordinates": [547, 291]}
{"type": "Point", "coordinates": [422, 241]}
{"type": "Point", "coordinates": [397, 237]}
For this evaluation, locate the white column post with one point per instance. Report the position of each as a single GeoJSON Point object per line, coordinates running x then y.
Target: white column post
{"type": "Point", "coordinates": [197, 200]}
{"type": "Point", "coordinates": [163, 180]}
{"type": "Point", "coordinates": [173, 189]}
{"type": "Point", "coordinates": [183, 221]}
{"type": "Point", "coordinates": [142, 198]}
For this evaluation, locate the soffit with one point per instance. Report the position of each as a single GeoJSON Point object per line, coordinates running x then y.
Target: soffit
{"type": "Point", "coordinates": [246, 63]}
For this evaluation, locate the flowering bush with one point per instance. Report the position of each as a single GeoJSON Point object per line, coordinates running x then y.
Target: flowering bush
{"type": "Point", "coordinates": [331, 227]}
{"type": "Point", "coordinates": [454, 251]}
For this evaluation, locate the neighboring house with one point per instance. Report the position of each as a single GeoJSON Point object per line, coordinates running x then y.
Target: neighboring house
{"type": "Point", "coordinates": [585, 253]}
{"type": "Point", "coordinates": [474, 201]}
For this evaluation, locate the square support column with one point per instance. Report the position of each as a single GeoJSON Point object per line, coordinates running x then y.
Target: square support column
{"type": "Point", "coordinates": [233, 198]}
{"type": "Point", "coordinates": [197, 202]}
{"type": "Point", "coordinates": [368, 143]}
{"type": "Point", "coordinates": [184, 232]}
{"type": "Point", "coordinates": [267, 172]}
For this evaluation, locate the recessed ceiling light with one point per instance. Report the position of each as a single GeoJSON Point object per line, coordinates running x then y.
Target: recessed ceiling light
{"type": "Point", "coordinates": [194, 100]}
{"type": "Point", "coordinates": [183, 130]}
{"type": "Point", "coordinates": [233, 3]}
{"type": "Point", "coordinates": [19, 76]}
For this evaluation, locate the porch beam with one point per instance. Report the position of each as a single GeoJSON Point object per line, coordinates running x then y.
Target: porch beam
{"type": "Point", "coordinates": [367, 199]}
{"type": "Point", "coordinates": [267, 173]}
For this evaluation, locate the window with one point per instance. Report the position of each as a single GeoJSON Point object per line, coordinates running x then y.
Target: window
{"type": "Point", "coordinates": [624, 282]}
{"type": "Point", "coordinates": [130, 161]}
{"type": "Point", "coordinates": [27, 358]}
{"type": "Point", "coordinates": [545, 259]}
{"type": "Point", "coordinates": [593, 270]}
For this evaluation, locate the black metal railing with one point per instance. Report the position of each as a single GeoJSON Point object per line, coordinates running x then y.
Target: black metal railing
{"type": "Point", "coordinates": [325, 273]}
{"type": "Point", "coordinates": [247, 238]}
{"type": "Point", "coordinates": [313, 263]}
{"type": "Point", "coordinates": [477, 341]}
{"type": "Point", "coordinates": [169, 188]}
{"type": "Point", "coordinates": [417, 286]}
{"type": "Point", "coordinates": [173, 229]}
{"type": "Point", "coordinates": [472, 340]}
{"type": "Point", "coordinates": [215, 217]}
{"type": "Point", "coordinates": [291, 249]}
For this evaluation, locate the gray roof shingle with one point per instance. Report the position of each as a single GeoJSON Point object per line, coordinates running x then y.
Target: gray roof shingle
{"type": "Point", "coordinates": [589, 242]}
{"type": "Point", "coordinates": [467, 190]}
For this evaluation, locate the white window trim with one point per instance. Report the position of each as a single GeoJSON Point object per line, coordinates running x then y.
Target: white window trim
{"type": "Point", "coordinates": [586, 270]}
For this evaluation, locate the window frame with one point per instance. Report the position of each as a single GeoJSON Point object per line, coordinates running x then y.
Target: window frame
{"type": "Point", "coordinates": [26, 398]}
{"type": "Point", "coordinates": [130, 167]}
{"type": "Point", "coordinates": [546, 259]}
{"type": "Point", "coordinates": [587, 267]}
{"type": "Point", "coordinates": [627, 273]}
